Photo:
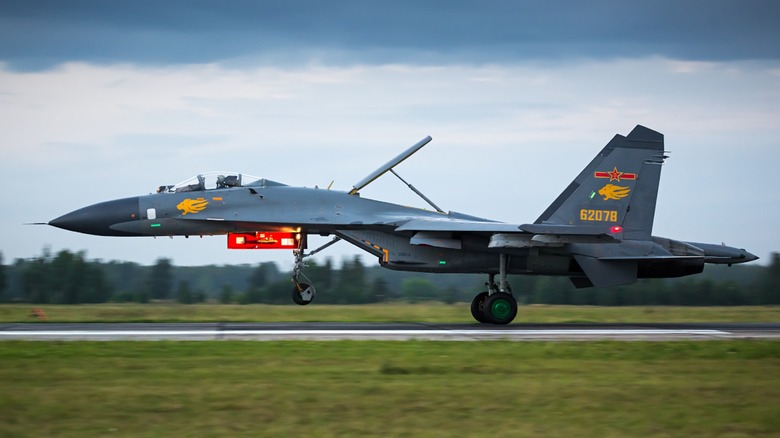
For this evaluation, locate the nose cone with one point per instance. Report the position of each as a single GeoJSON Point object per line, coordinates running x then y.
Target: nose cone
{"type": "Point", "coordinates": [98, 219]}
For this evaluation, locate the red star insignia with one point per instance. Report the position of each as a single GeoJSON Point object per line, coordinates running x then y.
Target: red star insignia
{"type": "Point", "coordinates": [615, 175]}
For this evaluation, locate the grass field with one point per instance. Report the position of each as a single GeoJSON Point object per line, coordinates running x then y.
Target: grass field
{"type": "Point", "coordinates": [413, 389]}
{"type": "Point", "coordinates": [435, 312]}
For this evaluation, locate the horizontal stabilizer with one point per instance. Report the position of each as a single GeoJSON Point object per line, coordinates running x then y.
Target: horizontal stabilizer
{"type": "Point", "coordinates": [526, 240]}
{"type": "Point", "coordinates": [572, 230]}
{"type": "Point", "coordinates": [649, 258]}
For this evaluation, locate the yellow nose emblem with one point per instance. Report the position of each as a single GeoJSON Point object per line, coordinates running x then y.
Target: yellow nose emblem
{"type": "Point", "coordinates": [192, 205]}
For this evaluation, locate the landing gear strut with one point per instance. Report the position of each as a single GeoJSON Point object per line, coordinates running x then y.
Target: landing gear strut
{"type": "Point", "coordinates": [496, 305]}
{"type": "Point", "coordinates": [304, 293]}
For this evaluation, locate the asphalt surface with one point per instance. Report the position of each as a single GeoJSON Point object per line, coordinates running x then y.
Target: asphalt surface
{"type": "Point", "coordinates": [386, 331]}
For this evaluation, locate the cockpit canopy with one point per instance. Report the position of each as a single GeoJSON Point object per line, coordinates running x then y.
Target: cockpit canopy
{"type": "Point", "coordinates": [216, 180]}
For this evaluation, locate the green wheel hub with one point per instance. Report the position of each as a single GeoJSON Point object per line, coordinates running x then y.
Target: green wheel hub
{"type": "Point", "coordinates": [501, 308]}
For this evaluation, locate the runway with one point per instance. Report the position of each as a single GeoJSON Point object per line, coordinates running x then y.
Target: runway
{"type": "Point", "coordinates": [385, 331]}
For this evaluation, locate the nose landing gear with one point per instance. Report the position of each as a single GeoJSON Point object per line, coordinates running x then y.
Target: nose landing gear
{"type": "Point", "coordinates": [304, 293]}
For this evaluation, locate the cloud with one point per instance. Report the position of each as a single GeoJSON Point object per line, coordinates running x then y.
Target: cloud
{"type": "Point", "coordinates": [101, 100]}
{"type": "Point", "coordinates": [507, 139]}
{"type": "Point", "coordinates": [43, 34]}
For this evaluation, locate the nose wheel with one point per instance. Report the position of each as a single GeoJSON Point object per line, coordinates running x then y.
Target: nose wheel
{"type": "Point", "coordinates": [303, 293]}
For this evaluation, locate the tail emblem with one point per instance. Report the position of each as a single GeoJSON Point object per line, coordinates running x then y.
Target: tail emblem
{"type": "Point", "coordinates": [615, 175]}
{"type": "Point", "coordinates": [611, 191]}
{"type": "Point", "coordinates": [192, 205]}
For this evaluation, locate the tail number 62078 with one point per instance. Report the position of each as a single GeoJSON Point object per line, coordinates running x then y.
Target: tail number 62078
{"type": "Point", "coordinates": [599, 215]}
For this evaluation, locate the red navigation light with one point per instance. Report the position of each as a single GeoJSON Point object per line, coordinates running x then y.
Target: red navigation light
{"type": "Point", "coordinates": [616, 229]}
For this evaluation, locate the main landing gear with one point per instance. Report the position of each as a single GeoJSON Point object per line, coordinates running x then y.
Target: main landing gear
{"type": "Point", "coordinates": [496, 305]}
{"type": "Point", "coordinates": [304, 293]}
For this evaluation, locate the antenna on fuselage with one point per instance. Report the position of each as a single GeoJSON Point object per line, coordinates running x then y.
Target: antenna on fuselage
{"type": "Point", "coordinates": [389, 167]}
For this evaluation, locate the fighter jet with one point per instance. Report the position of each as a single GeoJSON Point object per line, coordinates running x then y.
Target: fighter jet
{"type": "Point", "coordinates": [598, 232]}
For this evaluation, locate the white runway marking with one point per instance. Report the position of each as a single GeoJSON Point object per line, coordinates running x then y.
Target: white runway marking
{"type": "Point", "coordinates": [438, 334]}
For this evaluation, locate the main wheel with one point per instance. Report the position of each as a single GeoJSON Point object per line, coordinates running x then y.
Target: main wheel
{"type": "Point", "coordinates": [500, 308]}
{"type": "Point", "coordinates": [478, 307]}
{"type": "Point", "coordinates": [303, 293]}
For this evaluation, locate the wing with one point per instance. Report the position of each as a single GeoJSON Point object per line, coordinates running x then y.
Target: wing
{"type": "Point", "coordinates": [458, 226]}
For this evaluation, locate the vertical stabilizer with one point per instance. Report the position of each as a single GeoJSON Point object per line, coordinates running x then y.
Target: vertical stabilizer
{"type": "Point", "coordinates": [618, 187]}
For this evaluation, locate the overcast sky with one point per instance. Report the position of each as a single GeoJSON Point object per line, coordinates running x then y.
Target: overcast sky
{"type": "Point", "coordinates": [102, 100]}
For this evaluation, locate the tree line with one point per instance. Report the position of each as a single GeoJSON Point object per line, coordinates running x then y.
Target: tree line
{"type": "Point", "coordinates": [70, 278]}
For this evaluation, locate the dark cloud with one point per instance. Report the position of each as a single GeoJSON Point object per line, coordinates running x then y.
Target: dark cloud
{"type": "Point", "coordinates": [40, 34]}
